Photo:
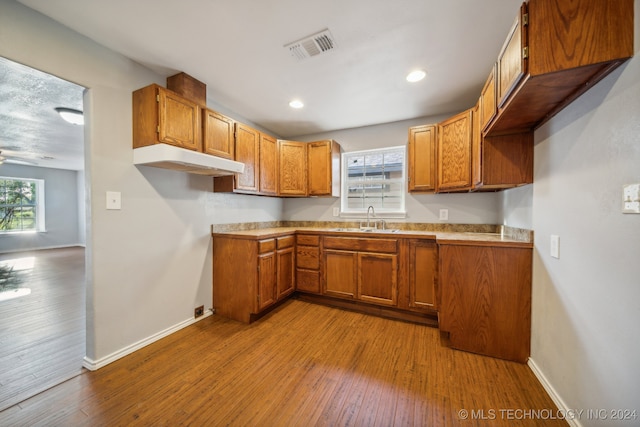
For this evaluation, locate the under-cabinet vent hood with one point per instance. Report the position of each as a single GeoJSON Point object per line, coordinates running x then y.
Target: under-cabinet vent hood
{"type": "Point", "coordinates": [179, 159]}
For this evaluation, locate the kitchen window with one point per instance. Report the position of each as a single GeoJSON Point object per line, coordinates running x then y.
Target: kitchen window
{"type": "Point", "coordinates": [374, 178]}
{"type": "Point", "coordinates": [21, 205]}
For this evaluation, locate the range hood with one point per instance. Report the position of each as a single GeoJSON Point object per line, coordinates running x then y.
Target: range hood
{"type": "Point", "coordinates": [179, 159]}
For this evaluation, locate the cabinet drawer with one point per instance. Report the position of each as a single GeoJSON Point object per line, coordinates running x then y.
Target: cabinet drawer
{"type": "Point", "coordinates": [308, 281]}
{"type": "Point", "coordinates": [308, 240]}
{"type": "Point", "coordinates": [285, 242]}
{"type": "Point", "coordinates": [355, 244]}
{"type": "Point", "coordinates": [308, 257]}
{"type": "Point", "coordinates": [266, 246]}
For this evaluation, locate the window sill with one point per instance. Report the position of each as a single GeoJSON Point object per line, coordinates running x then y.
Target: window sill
{"type": "Point", "coordinates": [378, 215]}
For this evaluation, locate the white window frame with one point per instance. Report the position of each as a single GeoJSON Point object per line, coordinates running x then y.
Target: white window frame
{"type": "Point", "coordinates": [380, 212]}
{"type": "Point", "coordinates": [39, 206]}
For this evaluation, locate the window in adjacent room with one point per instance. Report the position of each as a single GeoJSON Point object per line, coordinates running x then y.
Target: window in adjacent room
{"type": "Point", "coordinates": [21, 205]}
{"type": "Point", "coordinates": [374, 178]}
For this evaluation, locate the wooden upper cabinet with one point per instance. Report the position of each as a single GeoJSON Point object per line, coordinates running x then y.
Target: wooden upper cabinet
{"type": "Point", "coordinates": [512, 62]}
{"type": "Point", "coordinates": [217, 134]}
{"type": "Point", "coordinates": [454, 153]}
{"type": "Point", "coordinates": [323, 168]}
{"type": "Point", "coordinates": [422, 158]}
{"type": "Point", "coordinates": [293, 168]}
{"type": "Point", "coordinates": [162, 116]}
{"type": "Point", "coordinates": [268, 165]}
{"type": "Point", "coordinates": [248, 152]}
{"type": "Point", "coordinates": [487, 103]}
{"type": "Point", "coordinates": [556, 51]}
{"type": "Point", "coordinates": [476, 146]}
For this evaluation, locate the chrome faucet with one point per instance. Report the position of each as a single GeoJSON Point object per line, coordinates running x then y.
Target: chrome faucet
{"type": "Point", "coordinates": [370, 209]}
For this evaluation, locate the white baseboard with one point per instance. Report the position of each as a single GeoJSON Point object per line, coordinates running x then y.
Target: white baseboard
{"type": "Point", "coordinates": [43, 248]}
{"type": "Point", "coordinates": [575, 422]}
{"type": "Point", "coordinates": [94, 365]}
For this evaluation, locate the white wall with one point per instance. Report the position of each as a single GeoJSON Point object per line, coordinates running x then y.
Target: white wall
{"type": "Point", "coordinates": [477, 208]}
{"type": "Point", "coordinates": [61, 210]}
{"type": "Point", "coordinates": [586, 310]}
{"type": "Point", "coordinates": [149, 264]}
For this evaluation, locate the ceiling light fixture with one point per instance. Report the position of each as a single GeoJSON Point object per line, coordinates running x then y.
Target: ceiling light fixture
{"type": "Point", "coordinates": [296, 103]}
{"type": "Point", "coordinates": [70, 115]}
{"type": "Point", "coordinates": [416, 76]}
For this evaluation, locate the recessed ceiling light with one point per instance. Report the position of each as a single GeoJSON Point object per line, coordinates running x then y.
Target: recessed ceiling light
{"type": "Point", "coordinates": [70, 115]}
{"type": "Point", "coordinates": [296, 103]}
{"type": "Point", "coordinates": [416, 76]}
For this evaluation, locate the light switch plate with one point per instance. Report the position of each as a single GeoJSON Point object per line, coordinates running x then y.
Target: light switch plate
{"type": "Point", "coordinates": [631, 198]}
{"type": "Point", "coordinates": [114, 200]}
{"type": "Point", "coordinates": [555, 246]}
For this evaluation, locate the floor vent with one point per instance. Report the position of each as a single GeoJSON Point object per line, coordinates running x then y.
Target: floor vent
{"type": "Point", "coordinates": [312, 45]}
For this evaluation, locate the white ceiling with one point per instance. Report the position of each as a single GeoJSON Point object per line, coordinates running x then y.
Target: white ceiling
{"type": "Point", "coordinates": [237, 48]}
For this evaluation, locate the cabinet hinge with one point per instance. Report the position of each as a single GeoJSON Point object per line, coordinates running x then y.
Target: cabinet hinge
{"type": "Point", "coordinates": [158, 129]}
{"type": "Point", "coordinates": [157, 98]}
{"type": "Point", "coordinates": [525, 19]}
{"type": "Point", "coordinates": [525, 52]}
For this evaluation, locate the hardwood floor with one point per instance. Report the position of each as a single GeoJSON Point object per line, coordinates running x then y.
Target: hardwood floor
{"type": "Point", "coordinates": [301, 365]}
{"type": "Point", "coordinates": [42, 335]}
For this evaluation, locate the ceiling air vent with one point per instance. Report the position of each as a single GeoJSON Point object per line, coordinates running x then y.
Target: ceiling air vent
{"type": "Point", "coordinates": [311, 46]}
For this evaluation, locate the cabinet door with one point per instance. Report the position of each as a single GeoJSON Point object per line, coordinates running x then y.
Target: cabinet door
{"type": "Point", "coordinates": [217, 134]}
{"type": "Point", "coordinates": [378, 278]}
{"type": "Point", "coordinates": [422, 158]}
{"type": "Point", "coordinates": [179, 121]}
{"type": "Point", "coordinates": [476, 148]}
{"type": "Point", "coordinates": [268, 165]}
{"type": "Point", "coordinates": [319, 168]}
{"type": "Point", "coordinates": [488, 107]}
{"type": "Point", "coordinates": [340, 273]}
{"type": "Point", "coordinates": [512, 65]}
{"type": "Point", "coordinates": [293, 168]}
{"type": "Point", "coordinates": [285, 272]}
{"type": "Point", "coordinates": [454, 152]}
{"type": "Point", "coordinates": [248, 152]}
{"type": "Point", "coordinates": [266, 280]}
{"type": "Point", "coordinates": [423, 265]}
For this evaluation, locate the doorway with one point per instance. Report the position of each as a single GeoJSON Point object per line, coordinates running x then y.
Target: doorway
{"type": "Point", "coordinates": [42, 269]}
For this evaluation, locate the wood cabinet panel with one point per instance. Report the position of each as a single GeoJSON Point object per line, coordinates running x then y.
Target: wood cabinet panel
{"type": "Point", "coordinates": [308, 264]}
{"type": "Point", "coordinates": [565, 35]}
{"type": "Point", "coordinates": [486, 299]}
{"type": "Point", "coordinates": [356, 244]}
{"type": "Point", "coordinates": [308, 257]}
{"type": "Point", "coordinates": [488, 98]}
{"type": "Point", "coordinates": [323, 168]}
{"type": "Point", "coordinates": [266, 281]}
{"type": "Point", "coordinates": [162, 116]}
{"type": "Point", "coordinates": [341, 273]}
{"type": "Point", "coordinates": [454, 152]}
{"type": "Point", "coordinates": [248, 152]}
{"type": "Point", "coordinates": [308, 281]}
{"type": "Point", "coordinates": [285, 272]}
{"type": "Point", "coordinates": [423, 267]}
{"type": "Point", "coordinates": [511, 65]}
{"type": "Point", "coordinates": [217, 134]}
{"type": "Point", "coordinates": [293, 168]}
{"type": "Point", "coordinates": [308, 240]}
{"type": "Point", "coordinates": [268, 165]}
{"type": "Point", "coordinates": [507, 160]}
{"type": "Point", "coordinates": [378, 278]}
{"type": "Point", "coordinates": [422, 158]}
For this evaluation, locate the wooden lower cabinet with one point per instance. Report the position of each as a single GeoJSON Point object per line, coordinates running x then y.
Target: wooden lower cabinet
{"type": "Point", "coordinates": [423, 268]}
{"type": "Point", "coordinates": [361, 269]}
{"type": "Point", "coordinates": [250, 275]}
{"type": "Point", "coordinates": [308, 263]}
{"type": "Point", "coordinates": [486, 299]}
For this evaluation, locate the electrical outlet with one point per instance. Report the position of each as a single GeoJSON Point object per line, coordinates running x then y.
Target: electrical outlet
{"type": "Point", "coordinates": [444, 214]}
{"type": "Point", "coordinates": [336, 211]}
{"type": "Point", "coordinates": [114, 200]}
{"type": "Point", "coordinates": [199, 311]}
